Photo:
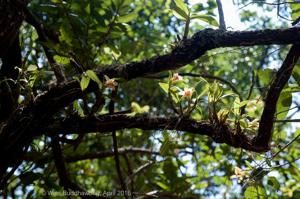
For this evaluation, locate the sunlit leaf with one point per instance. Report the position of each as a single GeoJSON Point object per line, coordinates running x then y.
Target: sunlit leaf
{"type": "Point", "coordinates": [180, 10]}
{"type": "Point", "coordinates": [91, 74]}
{"type": "Point", "coordinates": [32, 68]}
{"type": "Point", "coordinates": [206, 18]}
{"type": "Point", "coordinates": [180, 4]}
{"type": "Point", "coordinates": [164, 87]}
{"type": "Point", "coordinates": [283, 104]}
{"type": "Point", "coordinates": [257, 192]}
{"type": "Point", "coordinates": [127, 18]}
{"type": "Point", "coordinates": [85, 80]}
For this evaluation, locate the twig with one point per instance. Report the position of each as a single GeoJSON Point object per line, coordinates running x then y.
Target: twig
{"type": "Point", "coordinates": [111, 108]}
{"type": "Point", "coordinates": [286, 146]}
{"type": "Point", "coordinates": [267, 3]}
{"type": "Point", "coordinates": [285, 121]}
{"type": "Point", "coordinates": [130, 172]}
{"type": "Point", "coordinates": [91, 155]}
{"type": "Point", "coordinates": [139, 170]}
{"type": "Point", "coordinates": [221, 15]}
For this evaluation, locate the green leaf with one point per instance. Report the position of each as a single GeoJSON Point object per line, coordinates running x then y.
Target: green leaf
{"type": "Point", "coordinates": [272, 181]}
{"type": "Point", "coordinates": [180, 10]}
{"type": "Point", "coordinates": [206, 18]}
{"type": "Point", "coordinates": [295, 7]}
{"type": "Point", "coordinates": [236, 106]}
{"type": "Point", "coordinates": [164, 86]}
{"type": "Point", "coordinates": [283, 104]}
{"type": "Point", "coordinates": [243, 124]}
{"type": "Point", "coordinates": [202, 87]}
{"type": "Point", "coordinates": [61, 59]}
{"type": "Point", "coordinates": [165, 147]}
{"type": "Point", "coordinates": [296, 74]}
{"type": "Point", "coordinates": [78, 108]}
{"type": "Point", "coordinates": [162, 185]}
{"type": "Point", "coordinates": [136, 108]}
{"type": "Point", "coordinates": [179, 14]}
{"type": "Point", "coordinates": [265, 76]}
{"type": "Point", "coordinates": [243, 103]}
{"type": "Point", "coordinates": [127, 18]}
{"type": "Point", "coordinates": [66, 34]}
{"type": "Point", "coordinates": [257, 192]}
{"type": "Point", "coordinates": [181, 5]}
{"type": "Point", "coordinates": [32, 79]}
{"type": "Point", "coordinates": [91, 74]}
{"type": "Point", "coordinates": [175, 96]}
{"type": "Point", "coordinates": [32, 68]}
{"type": "Point", "coordinates": [85, 80]}
{"type": "Point", "coordinates": [34, 35]}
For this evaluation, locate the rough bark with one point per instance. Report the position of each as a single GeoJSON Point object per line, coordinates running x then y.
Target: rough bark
{"type": "Point", "coordinates": [19, 131]}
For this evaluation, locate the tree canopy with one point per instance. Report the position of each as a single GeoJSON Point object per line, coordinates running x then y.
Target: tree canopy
{"type": "Point", "coordinates": [149, 99]}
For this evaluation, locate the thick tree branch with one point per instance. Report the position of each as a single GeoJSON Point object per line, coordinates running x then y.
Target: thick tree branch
{"type": "Point", "coordinates": [283, 74]}
{"type": "Point", "coordinates": [185, 53]}
{"type": "Point", "coordinates": [220, 133]}
{"type": "Point", "coordinates": [196, 46]}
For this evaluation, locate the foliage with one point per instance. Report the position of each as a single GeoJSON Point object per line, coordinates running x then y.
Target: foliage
{"type": "Point", "coordinates": [94, 34]}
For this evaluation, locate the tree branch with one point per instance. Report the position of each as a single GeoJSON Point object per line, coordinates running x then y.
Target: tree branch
{"type": "Point", "coordinates": [63, 173]}
{"type": "Point", "coordinates": [221, 133]}
{"type": "Point", "coordinates": [42, 158]}
{"type": "Point", "coordinates": [111, 109]}
{"type": "Point", "coordinates": [283, 74]}
{"type": "Point", "coordinates": [221, 15]}
{"type": "Point", "coordinates": [30, 119]}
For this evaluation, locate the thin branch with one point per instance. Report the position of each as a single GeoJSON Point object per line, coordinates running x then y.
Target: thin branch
{"type": "Point", "coordinates": [268, 3]}
{"type": "Point", "coordinates": [286, 121]}
{"type": "Point", "coordinates": [221, 15]}
{"type": "Point", "coordinates": [138, 171]}
{"type": "Point", "coordinates": [104, 154]}
{"type": "Point", "coordinates": [286, 146]}
{"type": "Point", "coordinates": [43, 159]}
{"type": "Point", "coordinates": [111, 109]}
{"type": "Point", "coordinates": [130, 172]}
